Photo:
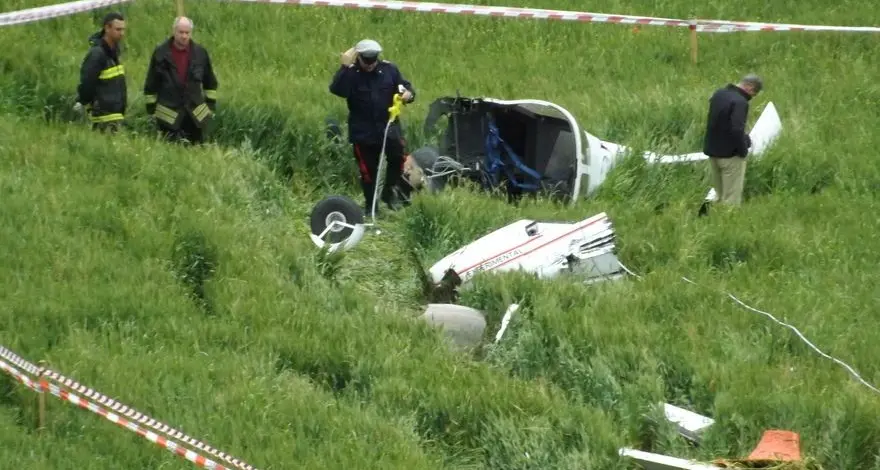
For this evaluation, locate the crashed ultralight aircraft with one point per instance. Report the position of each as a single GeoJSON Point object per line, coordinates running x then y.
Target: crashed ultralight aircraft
{"type": "Point", "coordinates": [533, 146]}
{"type": "Point", "coordinates": [536, 146]}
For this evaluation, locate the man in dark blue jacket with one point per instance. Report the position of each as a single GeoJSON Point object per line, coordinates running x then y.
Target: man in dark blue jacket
{"type": "Point", "coordinates": [726, 141]}
{"type": "Point", "coordinates": [369, 84]}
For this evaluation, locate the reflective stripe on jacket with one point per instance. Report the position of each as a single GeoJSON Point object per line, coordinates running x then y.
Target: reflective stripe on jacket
{"type": "Point", "coordinates": [168, 99]}
{"type": "Point", "coordinates": [102, 85]}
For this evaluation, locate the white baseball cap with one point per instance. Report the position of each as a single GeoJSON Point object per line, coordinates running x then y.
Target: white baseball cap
{"type": "Point", "coordinates": [368, 48]}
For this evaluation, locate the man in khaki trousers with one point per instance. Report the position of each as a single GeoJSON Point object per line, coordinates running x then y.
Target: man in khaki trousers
{"type": "Point", "coordinates": [726, 141]}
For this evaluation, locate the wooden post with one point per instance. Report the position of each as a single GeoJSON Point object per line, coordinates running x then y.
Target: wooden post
{"type": "Point", "coordinates": [179, 7]}
{"type": "Point", "coordinates": [41, 401]}
{"type": "Point", "coordinates": [693, 28]}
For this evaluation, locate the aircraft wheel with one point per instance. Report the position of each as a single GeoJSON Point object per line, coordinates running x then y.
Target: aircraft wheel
{"type": "Point", "coordinates": [335, 208]}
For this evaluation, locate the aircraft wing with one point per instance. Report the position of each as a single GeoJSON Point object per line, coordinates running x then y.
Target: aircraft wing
{"type": "Point", "coordinates": [652, 157]}
{"type": "Point", "coordinates": [766, 129]}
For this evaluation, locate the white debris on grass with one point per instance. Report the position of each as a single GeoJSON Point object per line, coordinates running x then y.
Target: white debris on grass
{"type": "Point", "coordinates": [690, 425]}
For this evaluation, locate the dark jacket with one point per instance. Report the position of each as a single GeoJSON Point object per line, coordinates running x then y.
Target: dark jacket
{"type": "Point", "coordinates": [102, 85]}
{"type": "Point", "coordinates": [726, 125]}
{"type": "Point", "coordinates": [369, 95]}
{"type": "Point", "coordinates": [168, 99]}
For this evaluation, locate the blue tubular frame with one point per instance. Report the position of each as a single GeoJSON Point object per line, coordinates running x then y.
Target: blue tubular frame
{"type": "Point", "coordinates": [495, 162]}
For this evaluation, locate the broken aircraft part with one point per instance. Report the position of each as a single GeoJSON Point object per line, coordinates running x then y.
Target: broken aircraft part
{"type": "Point", "coordinates": [505, 321]}
{"type": "Point", "coordinates": [651, 461]}
{"type": "Point", "coordinates": [463, 325]}
{"type": "Point", "coordinates": [690, 425]}
{"type": "Point", "coordinates": [775, 447]}
{"type": "Point", "coordinates": [545, 249]}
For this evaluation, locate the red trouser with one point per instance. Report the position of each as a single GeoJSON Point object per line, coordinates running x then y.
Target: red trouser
{"type": "Point", "coordinates": [367, 157]}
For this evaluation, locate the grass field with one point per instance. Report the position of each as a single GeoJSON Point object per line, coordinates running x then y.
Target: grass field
{"type": "Point", "coordinates": [182, 282]}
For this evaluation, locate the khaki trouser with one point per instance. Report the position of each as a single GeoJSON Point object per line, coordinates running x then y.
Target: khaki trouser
{"type": "Point", "coordinates": [727, 178]}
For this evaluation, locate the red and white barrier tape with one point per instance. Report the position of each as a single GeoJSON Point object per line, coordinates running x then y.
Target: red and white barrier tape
{"type": "Point", "coordinates": [708, 26]}
{"type": "Point", "coordinates": [168, 444]}
{"type": "Point", "coordinates": [561, 15]}
{"type": "Point", "coordinates": [481, 10]}
{"type": "Point", "coordinates": [20, 376]}
{"type": "Point", "coordinates": [19, 362]}
{"type": "Point", "coordinates": [144, 419]}
{"type": "Point", "coordinates": [719, 26]}
{"type": "Point", "coordinates": [114, 407]}
{"type": "Point", "coordinates": [32, 15]}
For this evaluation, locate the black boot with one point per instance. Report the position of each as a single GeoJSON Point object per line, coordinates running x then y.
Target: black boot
{"type": "Point", "coordinates": [704, 209]}
{"type": "Point", "coordinates": [368, 208]}
{"type": "Point", "coordinates": [388, 197]}
{"type": "Point", "coordinates": [368, 189]}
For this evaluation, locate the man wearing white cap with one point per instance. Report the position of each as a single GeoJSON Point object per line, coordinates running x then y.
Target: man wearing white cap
{"type": "Point", "coordinates": [369, 84]}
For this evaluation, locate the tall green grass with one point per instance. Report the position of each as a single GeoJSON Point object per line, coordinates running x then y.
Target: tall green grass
{"type": "Point", "coordinates": [182, 282]}
{"type": "Point", "coordinates": [100, 264]}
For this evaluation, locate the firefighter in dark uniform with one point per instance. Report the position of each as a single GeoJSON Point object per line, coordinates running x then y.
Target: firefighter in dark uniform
{"type": "Point", "coordinates": [180, 87]}
{"type": "Point", "coordinates": [369, 84]}
{"type": "Point", "coordinates": [102, 90]}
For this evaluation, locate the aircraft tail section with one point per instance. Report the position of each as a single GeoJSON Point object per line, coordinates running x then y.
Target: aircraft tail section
{"type": "Point", "coordinates": [767, 128]}
{"type": "Point", "coordinates": [603, 155]}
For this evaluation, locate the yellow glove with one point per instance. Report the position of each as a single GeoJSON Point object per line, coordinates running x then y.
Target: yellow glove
{"type": "Point", "coordinates": [395, 109]}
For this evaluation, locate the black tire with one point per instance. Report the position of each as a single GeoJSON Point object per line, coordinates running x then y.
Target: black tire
{"type": "Point", "coordinates": [332, 208]}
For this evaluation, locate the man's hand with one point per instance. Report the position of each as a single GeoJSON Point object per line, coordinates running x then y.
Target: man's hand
{"type": "Point", "coordinates": [78, 108]}
{"type": "Point", "coordinates": [407, 96]}
{"type": "Point", "coordinates": [347, 57]}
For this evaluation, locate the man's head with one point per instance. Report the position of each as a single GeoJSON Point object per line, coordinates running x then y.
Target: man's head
{"type": "Point", "coordinates": [412, 173]}
{"type": "Point", "coordinates": [114, 28]}
{"type": "Point", "coordinates": [751, 84]}
{"type": "Point", "coordinates": [367, 54]}
{"type": "Point", "coordinates": [182, 31]}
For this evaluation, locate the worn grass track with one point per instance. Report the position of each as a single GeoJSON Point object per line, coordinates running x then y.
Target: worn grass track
{"type": "Point", "coordinates": [182, 281]}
